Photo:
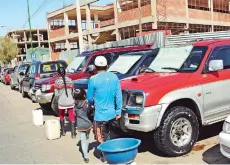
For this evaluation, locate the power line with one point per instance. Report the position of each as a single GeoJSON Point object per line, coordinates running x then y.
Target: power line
{"type": "Point", "coordinates": [44, 4]}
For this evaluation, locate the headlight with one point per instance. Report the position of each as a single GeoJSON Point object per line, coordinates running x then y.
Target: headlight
{"type": "Point", "coordinates": [135, 99]}
{"type": "Point", "coordinates": [45, 87]}
{"type": "Point", "coordinates": [226, 127]}
{"type": "Point", "coordinates": [139, 99]}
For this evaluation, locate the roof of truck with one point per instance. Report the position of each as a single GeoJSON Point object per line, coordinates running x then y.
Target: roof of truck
{"type": "Point", "coordinates": [208, 42]}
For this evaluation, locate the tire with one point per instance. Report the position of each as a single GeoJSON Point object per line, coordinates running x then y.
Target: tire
{"type": "Point", "coordinates": [23, 93]}
{"type": "Point", "coordinates": [163, 136]}
{"type": "Point", "coordinates": [45, 106]}
{"type": "Point", "coordinates": [54, 106]}
{"type": "Point", "coordinates": [11, 86]}
{"type": "Point", "coordinates": [20, 87]}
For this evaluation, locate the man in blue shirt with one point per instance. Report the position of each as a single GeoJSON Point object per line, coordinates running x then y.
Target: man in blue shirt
{"type": "Point", "coordinates": [104, 92]}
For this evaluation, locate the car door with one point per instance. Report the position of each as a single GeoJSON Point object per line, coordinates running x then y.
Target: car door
{"type": "Point", "coordinates": [13, 75]}
{"type": "Point", "coordinates": [33, 72]}
{"type": "Point", "coordinates": [216, 87]}
{"type": "Point", "coordinates": [25, 81]}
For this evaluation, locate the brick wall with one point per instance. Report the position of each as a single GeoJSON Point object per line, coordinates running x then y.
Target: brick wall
{"type": "Point", "coordinates": [221, 17]}
{"type": "Point", "coordinates": [107, 23]}
{"type": "Point", "coordinates": [133, 14]}
{"type": "Point", "coordinates": [200, 14]}
{"type": "Point", "coordinates": [175, 8]}
{"type": "Point", "coordinates": [57, 33]}
{"type": "Point", "coordinates": [55, 56]}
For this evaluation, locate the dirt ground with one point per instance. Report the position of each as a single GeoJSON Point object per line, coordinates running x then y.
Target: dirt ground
{"type": "Point", "coordinates": [21, 142]}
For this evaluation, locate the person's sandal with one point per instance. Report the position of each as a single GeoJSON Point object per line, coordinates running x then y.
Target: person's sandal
{"type": "Point", "coordinates": [86, 160]}
{"type": "Point", "coordinates": [102, 159]}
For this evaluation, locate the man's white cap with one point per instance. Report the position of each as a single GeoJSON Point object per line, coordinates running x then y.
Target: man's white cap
{"type": "Point", "coordinates": [100, 61]}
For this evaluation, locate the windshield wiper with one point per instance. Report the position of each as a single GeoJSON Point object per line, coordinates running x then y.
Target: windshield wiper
{"type": "Point", "coordinates": [171, 68]}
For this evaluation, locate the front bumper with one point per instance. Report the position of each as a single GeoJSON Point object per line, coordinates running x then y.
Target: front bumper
{"type": "Point", "coordinates": [43, 98]}
{"type": "Point", "coordinates": [145, 122]}
{"type": "Point", "coordinates": [224, 139]}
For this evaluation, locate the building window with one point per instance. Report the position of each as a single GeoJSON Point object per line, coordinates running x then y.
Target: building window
{"type": "Point", "coordinates": [221, 6]}
{"type": "Point", "coordinates": [199, 4]}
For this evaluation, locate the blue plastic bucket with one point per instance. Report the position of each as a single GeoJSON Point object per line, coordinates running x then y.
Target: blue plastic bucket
{"type": "Point", "coordinates": [120, 151]}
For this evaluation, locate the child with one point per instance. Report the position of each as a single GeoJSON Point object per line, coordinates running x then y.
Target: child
{"type": "Point", "coordinates": [64, 92]}
{"type": "Point", "coordinates": [84, 124]}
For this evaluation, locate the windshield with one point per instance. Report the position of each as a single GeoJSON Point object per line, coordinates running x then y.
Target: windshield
{"type": "Point", "coordinates": [175, 59]}
{"type": "Point", "coordinates": [124, 63]}
{"type": "Point", "coordinates": [194, 60]}
{"type": "Point", "coordinates": [23, 67]}
{"type": "Point", "coordinates": [77, 64]}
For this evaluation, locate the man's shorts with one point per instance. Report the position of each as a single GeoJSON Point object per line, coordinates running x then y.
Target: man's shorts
{"type": "Point", "coordinates": [101, 130]}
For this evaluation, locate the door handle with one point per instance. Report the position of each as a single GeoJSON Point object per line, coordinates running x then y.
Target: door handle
{"type": "Point", "coordinates": [208, 93]}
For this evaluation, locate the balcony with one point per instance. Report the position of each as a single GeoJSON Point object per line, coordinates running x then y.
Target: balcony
{"type": "Point", "coordinates": [224, 17]}
{"type": "Point", "coordinates": [57, 32]}
{"type": "Point", "coordinates": [199, 14]}
{"type": "Point", "coordinates": [107, 23]}
{"type": "Point", "coordinates": [133, 14]}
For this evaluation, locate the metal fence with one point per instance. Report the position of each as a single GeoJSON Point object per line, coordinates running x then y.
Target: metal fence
{"type": "Point", "coordinates": [185, 38]}
{"type": "Point", "coordinates": [154, 38]}
{"type": "Point", "coordinates": [157, 39]}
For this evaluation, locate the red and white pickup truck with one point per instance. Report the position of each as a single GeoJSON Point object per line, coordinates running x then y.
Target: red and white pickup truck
{"type": "Point", "coordinates": [189, 87]}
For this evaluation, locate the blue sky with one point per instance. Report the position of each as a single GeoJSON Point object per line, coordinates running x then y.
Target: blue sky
{"type": "Point", "coordinates": [13, 13]}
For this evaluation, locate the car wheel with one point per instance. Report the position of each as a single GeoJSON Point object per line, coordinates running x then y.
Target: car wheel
{"type": "Point", "coordinates": [45, 106]}
{"type": "Point", "coordinates": [178, 132]}
{"type": "Point", "coordinates": [54, 106]}
{"type": "Point", "coordinates": [23, 93]}
{"type": "Point", "coordinates": [20, 87]}
{"type": "Point", "coordinates": [11, 86]}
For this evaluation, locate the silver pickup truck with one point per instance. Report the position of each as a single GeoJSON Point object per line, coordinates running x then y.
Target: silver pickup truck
{"type": "Point", "coordinates": [16, 78]}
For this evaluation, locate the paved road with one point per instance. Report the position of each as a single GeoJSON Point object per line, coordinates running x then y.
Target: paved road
{"type": "Point", "coordinates": [21, 142]}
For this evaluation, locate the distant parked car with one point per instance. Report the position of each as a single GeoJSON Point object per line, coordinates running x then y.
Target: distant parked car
{"type": "Point", "coordinates": [6, 78]}
{"type": "Point", "coordinates": [38, 70]}
{"type": "Point", "coordinates": [224, 138]}
{"type": "Point", "coordinates": [16, 78]}
{"type": "Point", "coordinates": [3, 70]}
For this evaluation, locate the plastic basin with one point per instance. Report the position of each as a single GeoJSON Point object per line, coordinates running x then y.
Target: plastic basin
{"type": "Point", "coordinates": [120, 151]}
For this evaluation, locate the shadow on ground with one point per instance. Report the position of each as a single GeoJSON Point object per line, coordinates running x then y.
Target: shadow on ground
{"type": "Point", "coordinates": [148, 145]}
{"type": "Point", "coordinates": [214, 156]}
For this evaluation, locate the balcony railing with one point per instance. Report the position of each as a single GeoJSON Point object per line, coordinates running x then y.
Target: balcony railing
{"type": "Point", "coordinates": [107, 23]}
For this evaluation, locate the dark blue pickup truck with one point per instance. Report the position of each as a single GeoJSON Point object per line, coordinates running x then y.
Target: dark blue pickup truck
{"type": "Point", "coordinates": [126, 65]}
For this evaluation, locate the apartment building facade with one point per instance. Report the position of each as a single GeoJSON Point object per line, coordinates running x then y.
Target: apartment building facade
{"type": "Point", "coordinates": [23, 40]}
{"type": "Point", "coordinates": [73, 27]}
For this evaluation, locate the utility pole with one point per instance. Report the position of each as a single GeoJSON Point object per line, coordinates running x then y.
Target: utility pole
{"type": "Point", "coordinates": [140, 17]}
{"type": "Point", "coordinates": [29, 20]}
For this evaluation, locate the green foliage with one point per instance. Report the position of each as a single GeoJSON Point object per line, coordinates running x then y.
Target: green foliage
{"type": "Point", "coordinates": [8, 50]}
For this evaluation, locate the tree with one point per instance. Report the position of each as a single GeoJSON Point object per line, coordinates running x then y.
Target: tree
{"type": "Point", "coordinates": [8, 50]}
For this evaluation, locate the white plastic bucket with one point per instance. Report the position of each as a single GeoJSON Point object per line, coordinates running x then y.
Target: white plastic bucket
{"type": "Point", "coordinates": [37, 115]}
{"type": "Point", "coordinates": [53, 129]}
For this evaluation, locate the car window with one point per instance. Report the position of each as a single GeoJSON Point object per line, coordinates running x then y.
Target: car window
{"type": "Point", "coordinates": [10, 71]}
{"type": "Point", "coordinates": [28, 70]}
{"type": "Point", "coordinates": [194, 60]}
{"type": "Point", "coordinates": [221, 54]}
{"type": "Point", "coordinates": [33, 69]}
{"type": "Point", "coordinates": [23, 67]}
{"type": "Point", "coordinates": [51, 67]}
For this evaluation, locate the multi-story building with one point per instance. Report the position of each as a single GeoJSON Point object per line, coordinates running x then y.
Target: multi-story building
{"type": "Point", "coordinates": [23, 40]}
{"type": "Point", "coordinates": [71, 27]}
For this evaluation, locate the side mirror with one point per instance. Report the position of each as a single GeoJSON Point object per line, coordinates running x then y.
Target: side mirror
{"type": "Point", "coordinates": [21, 74]}
{"type": "Point", "coordinates": [91, 68]}
{"type": "Point", "coordinates": [216, 65]}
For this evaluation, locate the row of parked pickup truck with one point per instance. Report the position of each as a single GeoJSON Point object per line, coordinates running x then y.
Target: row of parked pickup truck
{"type": "Point", "coordinates": [171, 91]}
